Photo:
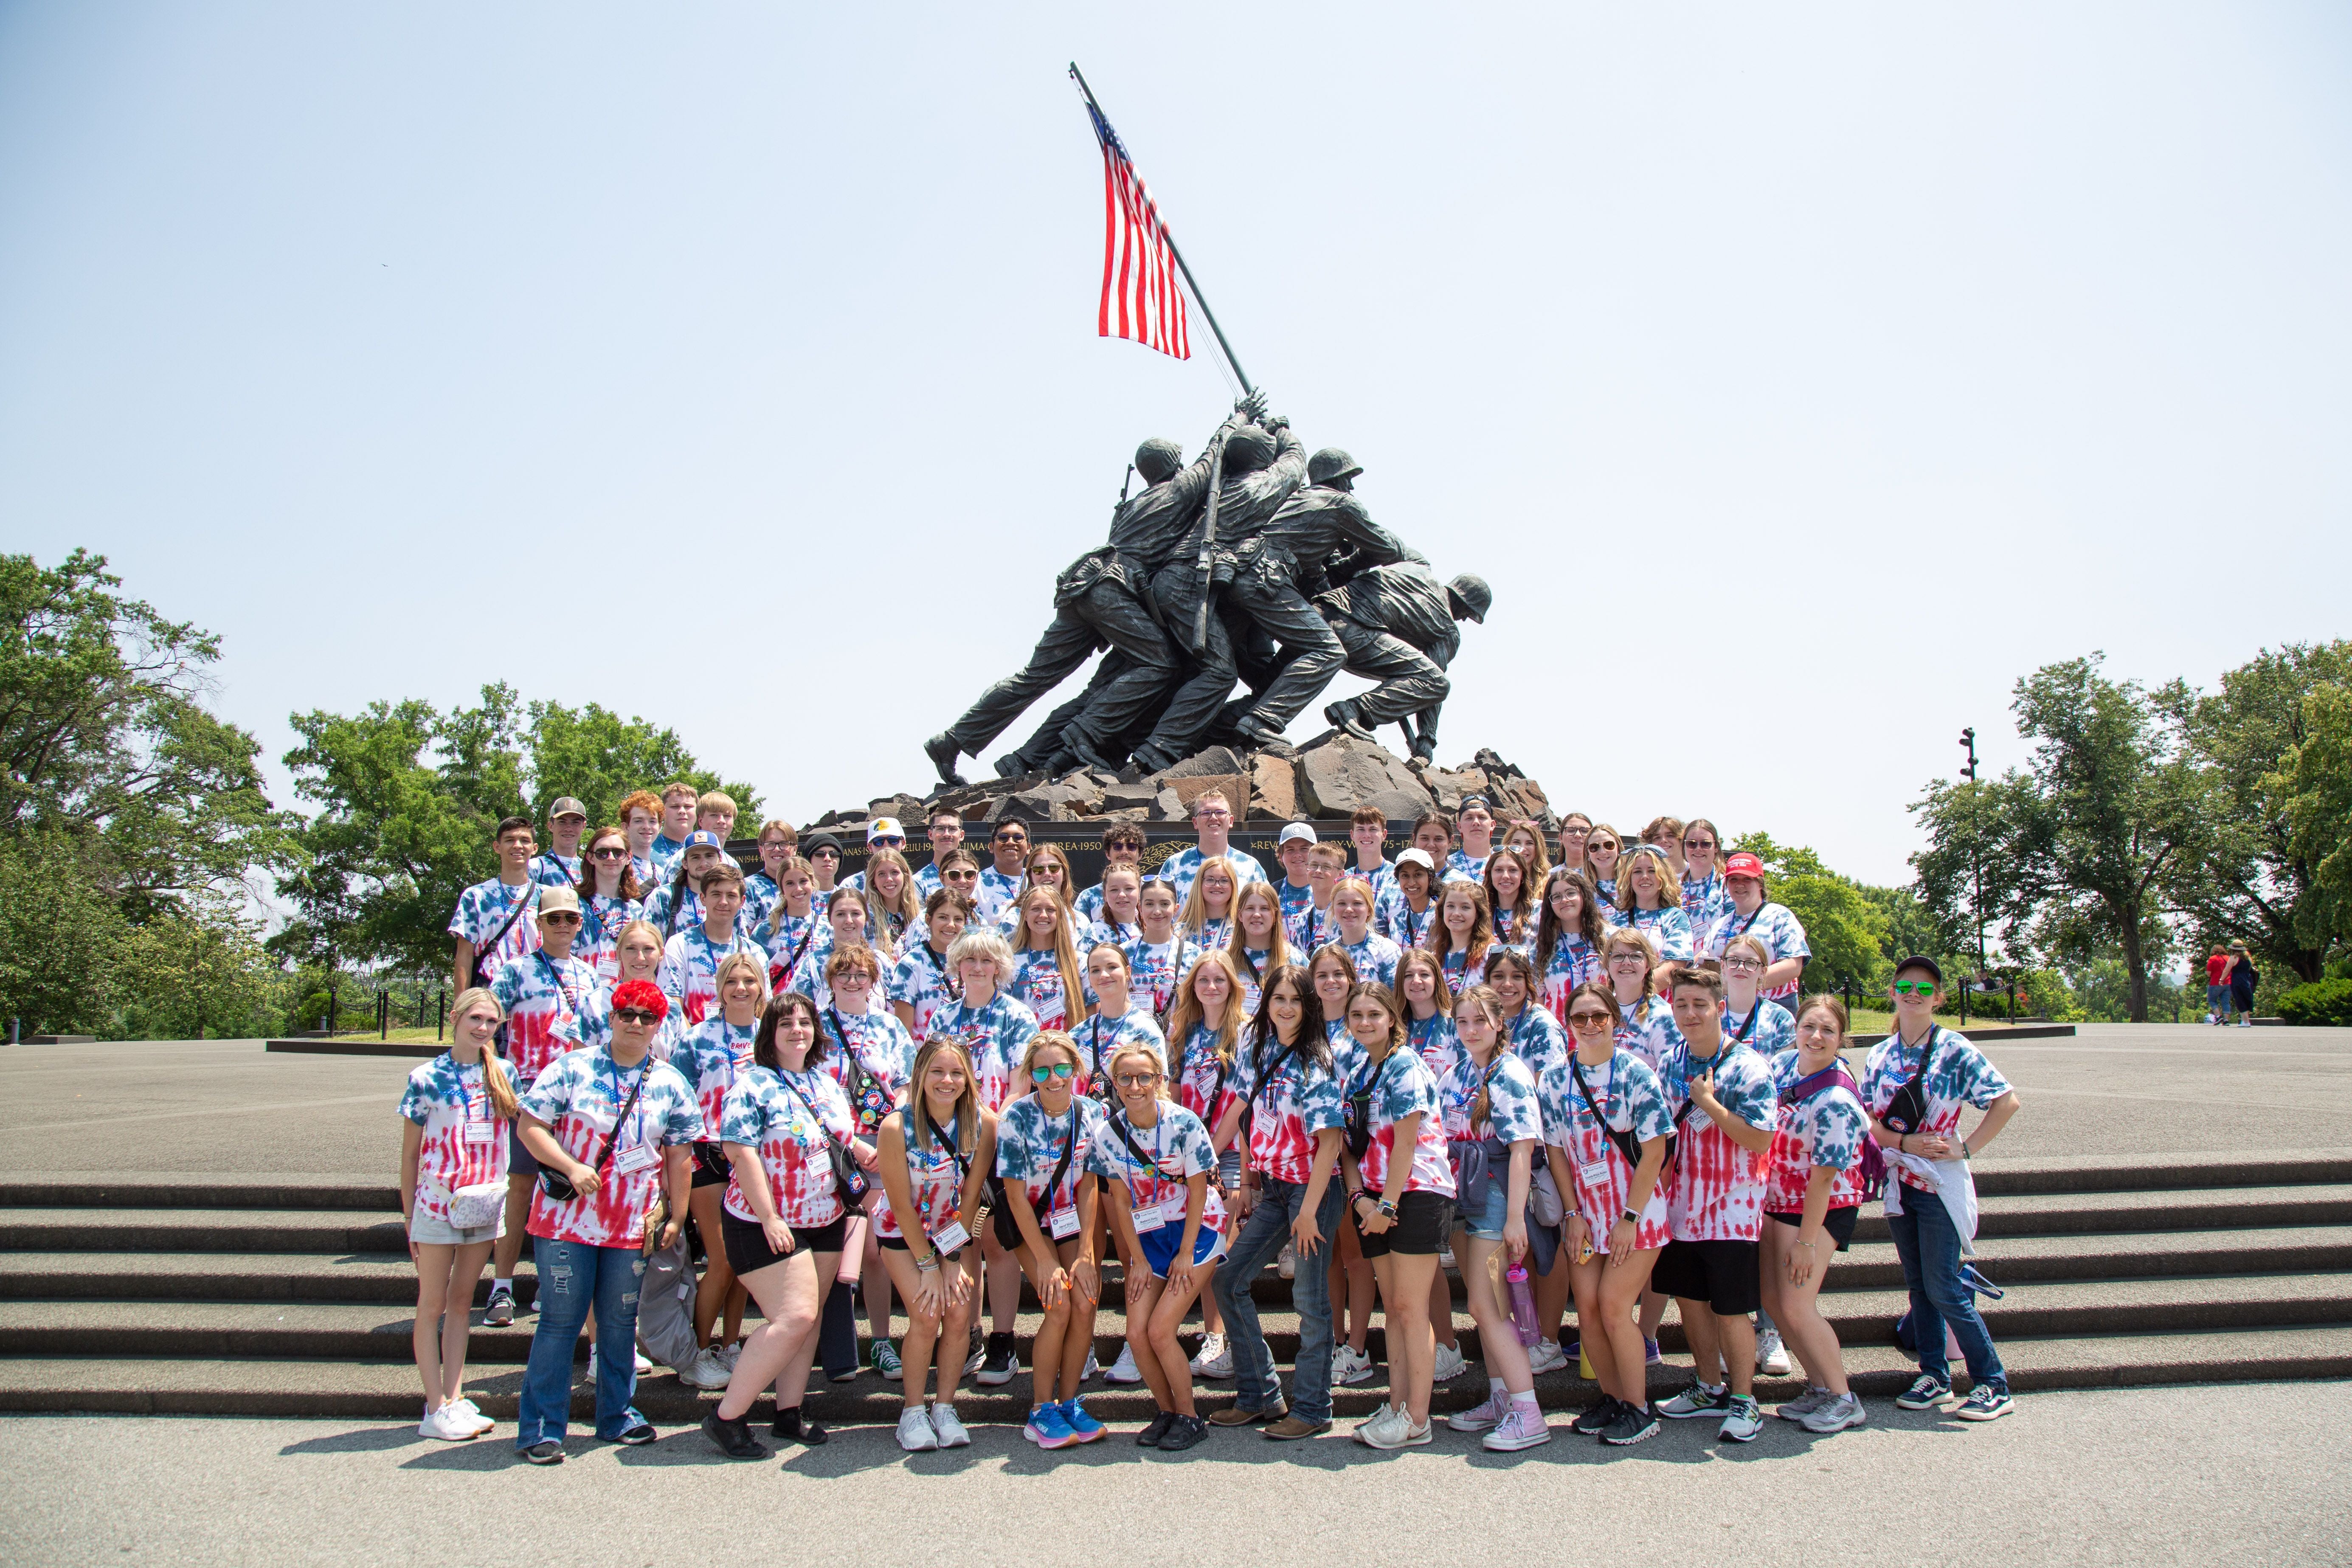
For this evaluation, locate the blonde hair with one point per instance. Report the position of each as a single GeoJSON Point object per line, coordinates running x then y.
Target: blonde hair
{"type": "Point", "coordinates": [621, 937]}
{"type": "Point", "coordinates": [1754, 944]}
{"type": "Point", "coordinates": [1277, 937]}
{"type": "Point", "coordinates": [1045, 1040]}
{"type": "Point", "coordinates": [1627, 936]}
{"type": "Point", "coordinates": [1063, 947]}
{"type": "Point", "coordinates": [1187, 1013]}
{"type": "Point", "coordinates": [985, 944]}
{"type": "Point", "coordinates": [1670, 891]}
{"type": "Point", "coordinates": [1361, 887]}
{"type": "Point", "coordinates": [494, 1072]}
{"type": "Point", "coordinates": [888, 921]}
{"type": "Point", "coordinates": [1136, 1048]}
{"type": "Point", "coordinates": [967, 1106]}
{"type": "Point", "coordinates": [1051, 852]}
{"type": "Point", "coordinates": [735, 961]}
{"type": "Point", "coordinates": [714, 800]}
{"type": "Point", "coordinates": [1196, 904]}
{"type": "Point", "coordinates": [1489, 1003]}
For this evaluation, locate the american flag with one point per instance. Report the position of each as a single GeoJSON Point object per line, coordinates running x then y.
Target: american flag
{"type": "Point", "coordinates": [1140, 298]}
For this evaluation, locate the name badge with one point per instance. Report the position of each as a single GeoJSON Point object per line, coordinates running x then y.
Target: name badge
{"type": "Point", "coordinates": [636, 1157]}
{"type": "Point", "coordinates": [1148, 1217]}
{"type": "Point", "coordinates": [953, 1238]}
{"type": "Point", "coordinates": [1596, 1174]}
{"type": "Point", "coordinates": [1065, 1224]}
{"type": "Point", "coordinates": [481, 1132]}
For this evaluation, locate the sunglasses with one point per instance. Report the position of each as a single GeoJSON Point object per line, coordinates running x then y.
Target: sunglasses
{"type": "Point", "coordinates": [1593, 1020]}
{"type": "Point", "coordinates": [825, 855]}
{"type": "Point", "coordinates": [1698, 843]}
{"type": "Point", "coordinates": [608, 854]}
{"type": "Point", "coordinates": [1138, 1079]}
{"type": "Point", "coordinates": [560, 918]}
{"type": "Point", "coordinates": [1915, 988]}
{"type": "Point", "coordinates": [885, 842]}
{"type": "Point", "coordinates": [1057, 1069]}
{"type": "Point", "coordinates": [634, 1015]}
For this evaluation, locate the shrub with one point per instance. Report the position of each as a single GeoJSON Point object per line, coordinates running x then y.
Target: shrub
{"type": "Point", "coordinates": [2328, 1002]}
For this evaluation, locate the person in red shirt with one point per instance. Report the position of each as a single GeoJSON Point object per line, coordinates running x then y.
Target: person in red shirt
{"type": "Point", "coordinates": [2217, 985]}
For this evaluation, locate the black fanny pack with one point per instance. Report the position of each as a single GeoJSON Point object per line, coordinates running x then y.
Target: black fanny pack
{"type": "Point", "coordinates": [558, 1187]}
{"type": "Point", "coordinates": [1907, 1113]}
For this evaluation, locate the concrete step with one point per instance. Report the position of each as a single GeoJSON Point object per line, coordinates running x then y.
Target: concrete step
{"type": "Point", "coordinates": [1996, 1178]}
{"type": "Point", "coordinates": [363, 1332]}
{"type": "Point", "coordinates": [388, 1390]}
{"type": "Point", "coordinates": [388, 1278]}
{"type": "Point", "coordinates": [107, 1229]}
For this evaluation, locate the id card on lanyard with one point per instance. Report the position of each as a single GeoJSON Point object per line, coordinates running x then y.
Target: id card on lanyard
{"type": "Point", "coordinates": [479, 1131]}
{"type": "Point", "coordinates": [629, 1158]}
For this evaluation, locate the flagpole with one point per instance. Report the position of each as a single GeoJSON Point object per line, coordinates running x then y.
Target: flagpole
{"type": "Point", "coordinates": [1239, 374]}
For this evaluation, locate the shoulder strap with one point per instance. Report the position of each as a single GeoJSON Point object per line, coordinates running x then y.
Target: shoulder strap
{"type": "Point", "coordinates": [1623, 1141]}
{"type": "Point", "coordinates": [528, 898]}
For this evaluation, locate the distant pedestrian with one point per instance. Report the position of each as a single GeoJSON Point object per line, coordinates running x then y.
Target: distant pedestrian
{"type": "Point", "coordinates": [2217, 985]}
{"type": "Point", "coordinates": [2244, 978]}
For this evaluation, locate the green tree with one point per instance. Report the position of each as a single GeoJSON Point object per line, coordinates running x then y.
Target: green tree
{"type": "Point", "coordinates": [2312, 789]}
{"type": "Point", "coordinates": [104, 738]}
{"type": "Point", "coordinates": [1968, 883]}
{"type": "Point", "coordinates": [408, 798]}
{"type": "Point", "coordinates": [61, 933]}
{"type": "Point", "coordinates": [2106, 812]}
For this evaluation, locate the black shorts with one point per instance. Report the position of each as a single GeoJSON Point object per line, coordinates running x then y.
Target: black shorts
{"type": "Point", "coordinates": [1838, 1223]}
{"type": "Point", "coordinates": [1722, 1274]}
{"type": "Point", "coordinates": [706, 1157]}
{"type": "Point", "coordinates": [521, 1161]}
{"type": "Point", "coordinates": [1422, 1221]}
{"type": "Point", "coordinates": [747, 1244]}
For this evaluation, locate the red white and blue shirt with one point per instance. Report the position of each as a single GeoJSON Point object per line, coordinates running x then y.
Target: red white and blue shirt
{"type": "Point", "coordinates": [1435, 1041]}
{"type": "Point", "coordinates": [552, 870]}
{"type": "Point", "coordinates": [1538, 1040]}
{"type": "Point", "coordinates": [1376, 957]}
{"type": "Point", "coordinates": [599, 944]}
{"type": "Point", "coordinates": [1669, 930]}
{"type": "Point", "coordinates": [592, 1026]}
{"type": "Point", "coordinates": [1574, 961]}
{"type": "Point", "coordinates": [1158, 968]}
{"type": "Point", "coordinates": [1782, 934]}
{"type": "Point", "coordinates": [1203, 1083]}
{"type": "Point", "coordinates": [1396, 920]}
{"type": "Point", "coordinates": [580, 1098]}
{"type": "Point", "coordinates": [542, 997]}
{"type": "Point", "coordinates": [995, 1036]}
{"type": "Point", "coordinates": [936, 1169]}
{"type": "Point", "coordinates": [689, 974]}
{"type": "Point", "coordinates": [885, 1056]}
{"type": "Point", "coordinates": [1291, 1098]}
{"type": "Point", "coordinates": [1179, 869]}
{"type": "Point", "coordinates": [1959, 1075]}
{"type": "Point", "coordinates": [1174, 1149]}
{"type": "Point", "coordinates": [1514, 1109]}
{"type": "Point", "coordinates": [994, 894]}
{"type": "Point", "coordinates": [792, 1118]}
{"type": "Point", "coordinates": [920, 980]}
{"type": "Point", "coordinates": [1464, 866]}
{"type": "Point", "coordinates": [1308, 928]}
{"type": "Point", "coordinates": [465, 1141]}
{"type": "Point", "coordinates": [492, 909]}
{"type": "Point", "coordinates": [1629, 1097]}
{"type": "Point", "coordinates": [1705, 899]}
{"type": "Point", "coordinates": [1030, 1142]}
{"type": "Point", "coordinates": [793, 940]}
{"type": "Point", "coordinates": [1399, 1086]}
{"type": "Point", "coordinates": [1825, 1127]}
{"type": "Point", "coordinates": [1036, 980]}
{"type": "Point", "coordinates": [714, 1054]}
{"type": "Point", "coordinates": [1100, 1038]}
{"type": "Point", "coordinates": [1653, 1036]}
{"type": "Point", "coordinates": [1716, 1190]}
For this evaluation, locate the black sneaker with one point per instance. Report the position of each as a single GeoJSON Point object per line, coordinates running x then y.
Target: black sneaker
{"type": "Point", "coordinates": [1149, 1437]}
{"type": "Point", "coordinates": [798, 1428]}
{"type": "Point", "coordinates": [733, 1437]}
{"type": "Point", "coordinates": [1183, 1431]}
{"type": "Point", "coordinates": [1632, 1425]}
{"type": "Point", "coordinates": [547, 1451]}
{"type": "Point", "coordinates": [999, 1365]}
{"type": "Point", "coordinates": [1598, 1416]}
{"type": "Point", "coordinates": [638, 1436]}
{"type": "Point", "coordinates": [500, 1311]}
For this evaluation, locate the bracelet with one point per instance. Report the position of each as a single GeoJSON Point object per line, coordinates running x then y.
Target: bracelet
{"type": "Point", "coordinates": [1809, 1246]}
{"type": "Point", "coordinates": [1388, 1208]}
{"type": "Point", "coordinates": [1964, 1149]}
{"type": "Point", "coordinates": [928, 1264]}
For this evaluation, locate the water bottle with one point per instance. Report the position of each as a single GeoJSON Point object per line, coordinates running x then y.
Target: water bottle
{"type": "Point", "coordinates": [1523, 1305]}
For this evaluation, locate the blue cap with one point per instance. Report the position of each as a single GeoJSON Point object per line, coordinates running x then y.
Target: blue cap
{"type": "Point", "coordinates": [703, 839]}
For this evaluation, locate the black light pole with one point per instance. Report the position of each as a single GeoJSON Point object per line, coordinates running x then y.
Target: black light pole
{"type": "Point", "coordinates": [1976, 840]}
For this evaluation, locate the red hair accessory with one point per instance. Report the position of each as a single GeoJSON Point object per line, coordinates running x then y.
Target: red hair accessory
{"type": "Point", "coordinates": [642, 993]}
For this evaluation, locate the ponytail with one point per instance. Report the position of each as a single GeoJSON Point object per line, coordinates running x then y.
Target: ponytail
{"type": "Point", "coordinates": [494, 1073]}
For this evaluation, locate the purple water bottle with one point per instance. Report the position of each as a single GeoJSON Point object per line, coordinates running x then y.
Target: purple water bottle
{"type": "Point", "coordinates": [1523, 1304]}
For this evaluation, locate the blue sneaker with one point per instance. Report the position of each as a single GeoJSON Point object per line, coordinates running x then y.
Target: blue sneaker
{"type": "Point", "coordinates": [1048, 1429]}
{"type": "Point", "coordinates": [1083, 1427]}
{"type": "Point", "coordinates": [1986, 1402]}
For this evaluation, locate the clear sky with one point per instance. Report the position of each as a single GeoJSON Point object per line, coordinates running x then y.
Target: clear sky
{"type": "Point", "coordinates": [1799, 375]}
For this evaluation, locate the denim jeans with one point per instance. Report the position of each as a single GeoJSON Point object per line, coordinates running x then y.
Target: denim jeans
{"type": "Point", "coordinates": [1929, 1248]}
{"type": "Point", "coordinates": [573, 1276]}
{"type": "Point", "coordinates": [1261, 1236]}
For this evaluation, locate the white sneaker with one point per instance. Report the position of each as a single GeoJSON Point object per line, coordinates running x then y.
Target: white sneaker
{"type": "Point", "coordinates": [1093, 1368]}
{"type": "Point", "coordinates": [1449, 1364]}
{"type": "Point", "coordinates": [1805, 1403]}
{"type": "Point", "coordinates": [1123, 1369]}
{"type": "Point", "coordinates": [471, 1412]}
{"type": "Point", "coordinates": [1387, 1428]}
{"type": "Point", "coordinates": [447, 1425]}
{"type": "Point", "coordinates": [1487, 1416]}
{"type": "Point", "coordinates": [1771, 1359]}
{"type": "Point", "coordinates": [1288, 1265]}
{"type": "Point", "coordinates": [1546, 1356]}
{"type": "Point", "coordinates": [731, 1353]}
{"type": "Point", "coordinates": [1445, 1256]}
{"type": "Point", "coordinates": [951, 1431]}
{"type": "Point", "coordinates": [1840, 1413]}
{"type": "Point", "coordinates": [709, 1369]}
{"type": "Point", "coordinates": [645, 1367]}
{"type": "Point", "coordinates": [1349, 1365]}
{"type": "Point", "coordinates": [915, 1433]}
{"type": "Point", "coordinates": [1217, 1358]}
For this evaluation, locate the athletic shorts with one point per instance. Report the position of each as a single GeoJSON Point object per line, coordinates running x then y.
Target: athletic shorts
{"type": "Point", "coordinates": [1838, 1223]}
{"type": "Point", "coordinates": [703, 1176]}
{"type": "Point", "coordinates": [1723, 1274]}
{"type": "Point", "coordinates": [747, 1244]}
{"type": "Point", "coordinates": [521, 1161]}
{"type": "Point", "coordinates": [1160, 1246]}
{"type": "Point", "coordinates": [1422, 1222]}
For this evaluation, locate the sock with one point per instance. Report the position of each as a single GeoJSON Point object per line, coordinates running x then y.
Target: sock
{"type": "Point", "coordinates": [1494, 1386]}
{"type": "Point", "coordinates": [1526, 1401]}
{"type": "Point", "coordinates": [505, 1284]}
{"type": "Point", "coordinates": [788, 1422]}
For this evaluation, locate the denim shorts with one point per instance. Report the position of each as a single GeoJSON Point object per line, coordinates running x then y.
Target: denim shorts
{"type": "Point", "coordinates": [1486, 1224]}
{"type": "Point", "coordinates": [441, 1233]}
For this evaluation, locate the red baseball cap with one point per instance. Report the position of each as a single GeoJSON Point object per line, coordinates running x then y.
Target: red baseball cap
{"type": "Point", "coordinates": [1744, 865]}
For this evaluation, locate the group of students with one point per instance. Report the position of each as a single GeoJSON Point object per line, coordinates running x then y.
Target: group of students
{"type": "Point", "coordinates": [1587, 1080]}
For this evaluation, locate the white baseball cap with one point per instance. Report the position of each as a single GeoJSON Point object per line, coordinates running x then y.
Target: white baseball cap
{"type": "Point", "coordinates": [1297, 832]}
{"type": "Point", "coordinates": [1417, 857]}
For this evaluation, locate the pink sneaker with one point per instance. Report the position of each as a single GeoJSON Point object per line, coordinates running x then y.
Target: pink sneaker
{"type": "Point", "coordinates": [1485, 1416]}
{"type": "Point", "coordinates": [1518, 1429]}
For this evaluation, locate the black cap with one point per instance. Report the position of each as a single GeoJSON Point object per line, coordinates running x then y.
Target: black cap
{"type": "Point", "coordinates": [816, 841]}
{"type": "Point", "coordinates": [1921, 961]}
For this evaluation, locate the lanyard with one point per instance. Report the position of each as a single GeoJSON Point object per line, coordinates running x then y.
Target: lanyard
{"type": "Point", "coordinates": [570, 1002]}
{"type": "Point", "coordinates": [1413, 928]}
{"type": "Point", "coordinates": [638, 1119]}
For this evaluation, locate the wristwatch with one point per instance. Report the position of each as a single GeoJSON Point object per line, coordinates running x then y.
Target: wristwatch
{"type": "Point", "coordinates": [1388, 1209]}
{"type": "Point", "coordinates": [1630, 1217]}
